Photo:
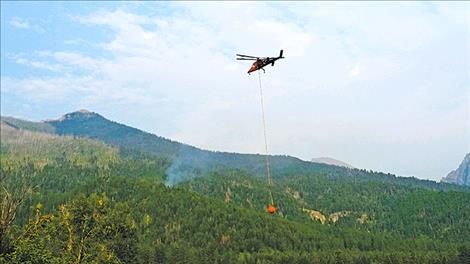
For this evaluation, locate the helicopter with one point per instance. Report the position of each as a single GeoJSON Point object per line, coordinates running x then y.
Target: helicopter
{"type": "Point", "coordinates": [260, 62]}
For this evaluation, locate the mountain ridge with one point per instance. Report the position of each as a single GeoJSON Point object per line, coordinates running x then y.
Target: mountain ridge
{"type": "Point", "coordinates": [461, 175]}
{"type": "Point", "coordinates": [133, 218]}
{"type": "Point", "coordinates": [188, 162]}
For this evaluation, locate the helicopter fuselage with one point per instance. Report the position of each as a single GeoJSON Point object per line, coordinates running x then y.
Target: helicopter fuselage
{"type": "Point", "coordinates": [260, 63]}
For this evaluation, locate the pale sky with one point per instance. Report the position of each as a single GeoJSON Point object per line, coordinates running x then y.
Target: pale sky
{"type": "Point", "coordinates": [380, 85]}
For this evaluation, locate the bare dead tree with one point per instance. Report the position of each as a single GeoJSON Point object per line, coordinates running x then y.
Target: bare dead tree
{"type": "Point", "coordinates": [14, 190]}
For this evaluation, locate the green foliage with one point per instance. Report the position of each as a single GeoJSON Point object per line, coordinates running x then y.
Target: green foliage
{"type": "Point", "coordinates": [98, 204]}
{"type": "Point", "coordinates": [368, 205]}
{"type": "Point", "coordinates": [189, 162]}
{"type": "Point", "coordinates": [88, 230]}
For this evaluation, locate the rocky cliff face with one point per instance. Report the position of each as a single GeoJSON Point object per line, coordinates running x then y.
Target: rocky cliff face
{"type": "Point", "coordinates": [461, 175]}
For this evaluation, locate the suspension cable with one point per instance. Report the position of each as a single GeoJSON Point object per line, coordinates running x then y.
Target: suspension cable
{"type": "Point", "coordinates": [268, 171]}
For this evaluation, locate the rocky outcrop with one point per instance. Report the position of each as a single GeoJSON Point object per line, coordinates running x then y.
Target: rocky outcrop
{"type": "Point", "coordinates": [461, 175]}
{"type": "Point", "coordinates": [315, 215]}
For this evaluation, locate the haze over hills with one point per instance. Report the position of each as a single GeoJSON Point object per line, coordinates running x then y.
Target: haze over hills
{"type": "Point", "coordinates": [187, 161]}
{"type": "Point", "coordinates": [461, 175]}
{"type": "Point", "coordinates": [326, 213]}
{"type": "Point", "coordinates": [331, 161]}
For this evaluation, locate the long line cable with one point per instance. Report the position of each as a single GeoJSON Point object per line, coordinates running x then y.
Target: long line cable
{"type": "Point", "coordinates": [268, 170]}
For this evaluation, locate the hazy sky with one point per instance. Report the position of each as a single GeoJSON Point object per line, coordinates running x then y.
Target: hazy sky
{"type": "Point", "coordinates": [380, 85]}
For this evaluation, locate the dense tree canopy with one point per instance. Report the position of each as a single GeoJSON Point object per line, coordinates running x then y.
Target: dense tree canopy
{"type": "Point", "coordinates": [82, 201]}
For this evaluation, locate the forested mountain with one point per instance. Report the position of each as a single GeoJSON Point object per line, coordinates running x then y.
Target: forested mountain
{"type": "Point", "coordinates": [461, 175]}
{"type": "Point", "coordinates": [79, 200]}
{"type": "Point", "coordinates": [27, 125]}
{"type": "Point", "coordinates": [348, 202]}
{"type": "Point", "coordinates": [189, 162]}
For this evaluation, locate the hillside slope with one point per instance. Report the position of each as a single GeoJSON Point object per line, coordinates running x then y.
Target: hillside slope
{"type": "Point", "coordinates": [188, 162]}
{"type": "Point", "coordinates": [115, 209]}
{"type": "Point", "coordinates": [27, 125]}
{"type": "Point", "coordinates": [345, 202]}
{"type": "Point", "coordinates": [331, 161]}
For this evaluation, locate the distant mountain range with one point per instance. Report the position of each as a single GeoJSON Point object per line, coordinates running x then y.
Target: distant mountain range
{"type": "Point", "coordinates": [331, 161]}
{"type": "Point", "coordinates": [188, 162]}
{"type": "Point", "coordinates": [461, 175]}
{"type": "Point", "coordinates": [116, 191]}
